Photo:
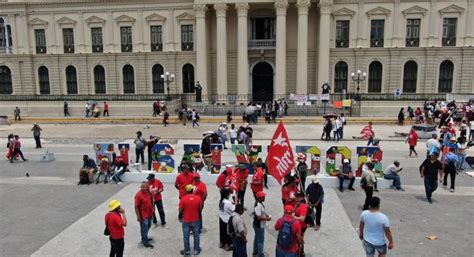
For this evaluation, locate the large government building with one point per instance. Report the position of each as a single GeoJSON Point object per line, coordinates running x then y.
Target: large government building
{"type": "Point", "coordinates": [254, 49]}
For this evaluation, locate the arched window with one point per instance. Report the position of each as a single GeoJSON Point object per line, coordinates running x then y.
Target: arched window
{"type": "Point", "coordinates": [446, 70]}
{"type": "Point", "coordinates": [340, 77]}
{"type": "Point", "coordinates": [158, 85]}
{"type": "Point", "coordinates": [71, 80]}
{"type": "Point", "coordinates": [410, 73]}
{"type": "Point", "coordinates": [6, 86]}
{"type": "Point", "coordinates": [128, 80]}
{"type": "Point", "coordinates": [99, 80]}
{"type": "Point", "coordinates": [375, 77]}
{"type": "Point", "coordinates": [43, 76]}
{"type": "Point", "coordinates": [188, 78]}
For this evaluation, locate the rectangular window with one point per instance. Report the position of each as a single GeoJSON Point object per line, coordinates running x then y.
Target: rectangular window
{"type": "Point", "coordinates": [377, 33]}
{"type": "Point", "coordinates": [413, 33]}
{"type": "Point", "coordinates": [126, 39]}
{"type": "Point", "coordinates": [449, 31]}
{"type": "Point", "coordinates": [68, 40]}
{"type": "Point", "coordinates": [156, 37]}
{"type": "Point", "coordinates": [187, 37]}
{"type": "Point", "coordinates": [40, 38]}
{"type": "Point", "coordinates": [342, 34]}
{"type": "Point", "coordinates": [96, 36]}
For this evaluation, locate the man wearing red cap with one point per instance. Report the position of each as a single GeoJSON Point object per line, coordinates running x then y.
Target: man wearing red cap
{"type": "Point", "coordinates": [259, 219]}
{"type": "Point", "coordinates": [184, 178]}
{"type": "Point", "coordinates": [289, 235]}
{"type": "Point", "coordinates": [156, 188]}
{"type": "Point", "coordinates": [200, 190]}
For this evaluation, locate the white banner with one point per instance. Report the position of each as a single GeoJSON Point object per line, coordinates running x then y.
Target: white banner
{"type": "Point", "coordinates": [298, 98]}
{"type": "Point", "coordinates": [314, 97]}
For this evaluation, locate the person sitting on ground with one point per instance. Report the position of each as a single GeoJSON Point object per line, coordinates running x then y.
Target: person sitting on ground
{"type": "Point", "coordinates": [118, 168]}
{"type": "Point", "coordinates": [346, 173]}
{"type": "Point", "coordinates": [89, 167]}
{"type": "Point", "coordinates": [391, 173]}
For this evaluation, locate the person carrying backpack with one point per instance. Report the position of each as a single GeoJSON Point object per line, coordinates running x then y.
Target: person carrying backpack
{"type": "Point", "coordinates": [289, 234]}
{"type": "Point", "coordinates": [238, 231]}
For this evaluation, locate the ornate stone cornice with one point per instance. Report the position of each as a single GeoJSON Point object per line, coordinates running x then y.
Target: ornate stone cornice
{"type": "Point", "coordinates": [154, 17]}
{"type": "Point", "coordinates": [343, 12]}
{"type": "Point", "coordinates": [95, 20]}
{"type": "Point", "coordinates": [452, 9]}
{"type": "Point", "coordinates": [303, 6]}
{"type": "Point", "coordinates": [37, 21]}
{"type": "Point", "coordinates": [325, 6]}
{"type": "Point", "coordinates": [280, 7]}
{"type": "Point", "coordinates": [200, 10]}
{"type": "Point", "coordinates": [66, 21]}
{"type": "Point", "coordinates": [415, 10]}
{"type": "Point", "coordinates": [242, 9]}
{"type": "Point", "coordinates": [185, 16]}
{"type": "Point", "coordinates": [379, 11]}
{"type": "Point", "coordinates": [124, 18]}
{"type": "Point", "coordinates": [221, 9]}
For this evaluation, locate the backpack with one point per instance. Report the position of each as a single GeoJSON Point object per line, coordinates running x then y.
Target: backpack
{"type": "Point", "coordinates": [83, 177]}
{"type": "Point", "coordinates": [286, 235]}
{"type": "Point", "coordinates": [230, 227]}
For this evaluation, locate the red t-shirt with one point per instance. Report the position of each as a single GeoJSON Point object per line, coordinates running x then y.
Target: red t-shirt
{"type": "Point", "coordinates": [154, 186]}
{"type": "Point", "coordinates": [201, 190]}
{"type": "Point", "coordinates": [183, 179]}
{"type": "Point", "coordinates": [301, 210]}
{"type": "Point", "coordinates": [242, 179]}
{"type": "Point", "coordinates": [106, 107]}
{"type": "Point", "coordinates": [190, 205]}
{"type": "Point", "coordinates": [257, 181]}
{"type": "Point", "coordinates": [287, 191]}
{"type": "Point", "coordinates": [413, 139]}
{"type": "Point", "coordinates": [221, 181]}
{"type": "Point", "coordinates": [114, 223]}
{"type": "Point", "coordinates": [296, 228]}
{"type": "Point", "coordinates": [144, 204]}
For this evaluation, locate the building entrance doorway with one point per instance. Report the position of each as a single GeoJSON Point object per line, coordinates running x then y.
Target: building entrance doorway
{"type": "Point", "coordinates": [262, 82]}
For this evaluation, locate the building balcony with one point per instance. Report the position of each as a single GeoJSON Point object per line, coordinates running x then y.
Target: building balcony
{"type": "Point", "coordinates": [261, 44]}
{"type": "Point", "coordinates": [449, 41]}
{"type": "Point", "coordinates": [412, 42]}
{"type": "Point", "coordinates": [5, 50]}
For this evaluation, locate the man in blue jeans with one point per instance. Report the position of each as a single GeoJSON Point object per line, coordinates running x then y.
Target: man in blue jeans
{"type": "Point", "coordinates": [429, 170]}
{"type": "Point", "coordinates": [144, 211]}
{"type": "Point", "coordinates": [260, 217]}
{"type": "Point", "coordinates": [190, 206]}
{"type": "Point", "coordinates": [391, 173]}
{"type": "Point", "coordinates": [239, 239]}
{"type": "Point", "coordinates": [373, 228]}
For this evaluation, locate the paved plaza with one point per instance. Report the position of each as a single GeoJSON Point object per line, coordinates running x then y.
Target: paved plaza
{"type": "Point", "coordinates": [47, 214]}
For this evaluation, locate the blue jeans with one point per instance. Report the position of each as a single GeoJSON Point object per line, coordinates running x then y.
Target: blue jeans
{"type": "Point", "coordinates": [341, 133]}
{"type": "Point", "coordinates": [144, 228]}
{"type": "Point", "coordinates": [430, 186]}
{"type": "Point", "coordinates": [461, 157]}
{"type": "Point", "coordinates": [281, 253]}
{"type": "Point", "coordinates": [187, 227]}
{"type": "Point", "coordinates": [370, 249]}
{"type": "Point", "coordinates": [258, 241]}
{"type": "Point", "coordinates": [239, 247]}
{"type": "Point", "coordinates": [395, 178]}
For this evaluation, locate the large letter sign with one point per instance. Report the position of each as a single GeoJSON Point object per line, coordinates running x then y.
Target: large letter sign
{"type": "Point", "coordinates": [244, 158]}
{"type": "Point", "coordinates": [124, 152]}
{"type": "Point", "coordinates": [365, 152]}
{"type": "Point", "coordinates": [315, 155]}
{"type": "Point", "coordinates": [192, 156]}
{"type": "Point", "coordinates": [103, 150]}
{"type": "Point", "coordinates": [216, 153]}
{"type": "Point", "coordinates": [161, 155]}
{"type": "Point", "coordinates": [331, 158]}
{"type": "Point", "coordinates": [280, 159]}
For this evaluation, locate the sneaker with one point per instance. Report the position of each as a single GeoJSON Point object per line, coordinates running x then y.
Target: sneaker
{"type": "Point", "coordinates": [430, 201]}
{"type": "Point", "coordinates": [317, 227]}
{"type": "Point", "coordinates": [197, 252]}
{"type": "Point", "coordinates": [182, 252]}
{"type": "Point", "coordinates": [375, 190]}
{"type": "Point", "coordinates": [164, 225]}
{"type": "Point", "coordinates": [352, 189]}
{"type": "Point", "coordinates": [400, 189]}
{"type": "Point", "coordinates": [148, 246]}
{"type": "Point", "coordinates": [228, 248]}
{"type": "Point", "coordinates": [340, 190]}
{"type": "Point", "coordinates": [452, 190]}
{"type": "Point", "coordinates": [118, 183]}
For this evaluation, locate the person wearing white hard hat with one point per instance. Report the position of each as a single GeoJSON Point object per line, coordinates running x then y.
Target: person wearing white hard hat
{"type": "Point", "coordinates": [115, 221]}
{"type": "Point", "coordinates": [315, 195]}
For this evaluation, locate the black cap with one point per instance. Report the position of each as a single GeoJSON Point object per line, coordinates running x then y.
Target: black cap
{"type": "Point", "coordinates": [150, 176]}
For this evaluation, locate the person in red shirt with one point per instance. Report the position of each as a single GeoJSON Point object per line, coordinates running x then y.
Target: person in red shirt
{"type": "Point", "coordinates": [156, 188]}
{"type": "Point", "coordinates": [200, 190]}
{"type": "Point", "coordinates": [184, 178]}
{"type": "Point", "coordinates": [115, 221]}
{"type": "Point", "coordinates": [412, 140]}
{"type": "Point", "coordinates": [288, 219]}
{"type": "Point", "coordinates": [190, 206]}
{"type": "Point", "coordinates": [144, 211]}
{"type": "Point", "coordinates": [222, 180]}
{"type": "Point", "coordinates": [106, 109]}
{"type": "Point", "coordinates": [242, 175]}
{"type": "Point", "coordinates": [301, 211]}
{"type": "Point", "coordinates": [257, 182]}
{"type": "Point", "coordinates": [288, 191]}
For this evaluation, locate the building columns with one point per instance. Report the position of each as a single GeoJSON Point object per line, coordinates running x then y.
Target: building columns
{"type": "Point", "coordinates": [242, 52]}
{"type": "Point", "coordinates": [302, 52]}
{"type": "Point", "coordinates": [469, 41]}
{"type": "Point", "coordinates": [323, 51]}
{"type": "Point", "coordinates": [280, 60]}
{"type": "Point", "coordinates": [221, 51]}
{"type": "Point", "coordinates": [201, 48]}
{"type": "Point", "coordinates": [433, 35]}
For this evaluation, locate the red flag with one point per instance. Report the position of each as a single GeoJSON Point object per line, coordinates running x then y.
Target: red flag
{"type": "Point", "coordinates": [280, 158]}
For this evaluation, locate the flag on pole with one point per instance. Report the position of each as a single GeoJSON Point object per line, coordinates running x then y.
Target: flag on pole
{"type": "Point", "coordinates": [280, 158]}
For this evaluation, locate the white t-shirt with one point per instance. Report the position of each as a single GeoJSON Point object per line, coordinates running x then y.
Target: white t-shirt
{"type": "Point", "coordinates": [260, 211]}
{"type": "Point", "coordinates": [233, 133]}
{"type": "Point", "coordinates": [472, 125]}
{"type": "Point", "coordinates": [226, 211]}
{"type": "Point", "coordinates": [431, 143]}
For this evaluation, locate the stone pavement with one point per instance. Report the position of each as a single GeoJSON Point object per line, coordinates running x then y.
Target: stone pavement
{"type": "Point", "coordinates": [85, 238]}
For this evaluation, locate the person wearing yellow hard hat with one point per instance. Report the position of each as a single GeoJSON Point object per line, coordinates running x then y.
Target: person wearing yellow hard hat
{"type": "Point", "coordinates": [190, 205]}
{"type": "Point", "coordinates": [115, 221]}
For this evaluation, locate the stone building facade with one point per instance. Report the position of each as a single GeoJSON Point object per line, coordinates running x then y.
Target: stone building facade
{"type": "Point", "coordinates": [257, 49]}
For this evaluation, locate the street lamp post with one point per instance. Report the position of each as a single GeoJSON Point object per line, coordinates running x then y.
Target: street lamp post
{"type": "Point", "coordinates": [358, 77]}
{"type": "Point", "coordinates": [167, 79]}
